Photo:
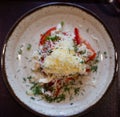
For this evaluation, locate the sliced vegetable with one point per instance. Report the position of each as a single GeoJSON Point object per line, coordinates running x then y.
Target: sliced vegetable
{"type": "Point", "coordinates": [79, 40]}
{"type": "Point", "coordinates": [77, 36]}
{"type": "Point", "coordinates": [69, 79]}
{"type": "Point", "coordinates": [43, 38]}
{"type": "Point", "coordinates": [88, 70]}
{"type": "Point", "coordinates": [91, 57]}
{"type": "Point", "coordinates": [90, 48]}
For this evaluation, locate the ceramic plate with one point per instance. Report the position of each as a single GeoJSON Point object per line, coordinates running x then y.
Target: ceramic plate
{"type": "Point", "coordinates": [27, 31]}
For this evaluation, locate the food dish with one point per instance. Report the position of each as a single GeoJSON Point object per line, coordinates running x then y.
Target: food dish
{"type": "Point", "coordinates": [27, 32]}
{"type": "Point", "coordinates": [61, 61]}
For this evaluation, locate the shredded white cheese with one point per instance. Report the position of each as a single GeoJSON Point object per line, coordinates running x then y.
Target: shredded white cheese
{"type": "Point", "coordinates": [63, 60]}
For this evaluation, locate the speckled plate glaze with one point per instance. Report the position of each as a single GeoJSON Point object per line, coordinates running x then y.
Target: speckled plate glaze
{"type": "Point", "coordinates": [27, 31]}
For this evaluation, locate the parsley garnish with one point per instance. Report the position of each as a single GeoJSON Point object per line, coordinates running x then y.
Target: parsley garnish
{"type": "Point", "coordinates": [60, 98]}
{"type": "Point", "coordinates": [75, 48]}
{"type": "Point", "coordinates": [81, 62]}
{"type": "Point", "coordinates": [49, 98]}
{"type": "Point", "coordinates": [76, 91]}
{"type": "Point", "coordinates": [94, 68]}
{"type": "Point", "coordinates": [29, 46]}
{"type": "Point", "coordinates": [66, 88]}
{"type": "Point", "coordinates": [24, 79]}
{"type": "Point", "coordinates": [52, 38]}
{"type": "Point", "coordinates": [36, 89]}
{"type": "Point", "coordinates": [62, 23]}
{"type": "Point", "coordinates": [83, 52]}
{"type": "Point", "coordinates": [50, 51]}
{"type": "Point", "coordinates": [32, 98]}
{"type": "Point", "coordinates": [29, 77]}
{"type": "Point", "coordinates": [105, 54]}
{"type": "Point", "coordinates": [20, 51]}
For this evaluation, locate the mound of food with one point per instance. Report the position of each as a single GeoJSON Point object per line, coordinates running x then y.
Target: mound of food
{"type": "Point", "coordinates": [60, 61]}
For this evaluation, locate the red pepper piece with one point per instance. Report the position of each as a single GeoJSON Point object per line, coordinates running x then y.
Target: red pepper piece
{"type": "Point", "coordinates": [77, 36]}
{"type": "Point", "coordinates": [57, 91]}
{"type": "Point", "coordinates": [69, 79]}
{"type": "Point", "coordinates": [90, 48]}
{"type": "Point", "coordinates": [58, 88]}
{"type": "Point", "coordinates": [50, 84]}
{"type": "Point", "coordinates": [91, 57]}
{"type": "Point", "coordinates": [43, 38]}
{"type": "Point", "coordinates": [88, 70]}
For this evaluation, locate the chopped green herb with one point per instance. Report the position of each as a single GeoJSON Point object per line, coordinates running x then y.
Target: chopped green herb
{"type": "Point", "coordinates": [29, 77]}
{"type": "Point", "coordinates": [87, 30]}
{"type": "Point", "coordinates": [66, 88]}
{"type": "Point", "coordinates": [76, 91]}
{"type": "Point", "coordinates": [62, 23]}
{"type": "Point", "coordinates": [32, 98]}
{"type": "Point", "coordinates": [83, 52]}
{"type": "Point", "coordinates": [60, 98]}
{"type": "Point", "coordinates": [52, 38]}
{"type": "Point", "coordinates": [81, 62]}
{"type": "Point", "coordinates": [24, 79]}
{"type": "Point", "coordinates": [20, 51]}
{"type": "Point", "coordinates": [50, 51]}
{"type": "Point", "coordinates": [49, 98]}
{"type": "Point", "coordinates": [36, 89]}
{"type": "Point", "coordinates": [105, 54]}
{"type": "Point", "coordinates": [29, 46]}
{"type": "Point", "coordinates": [48, 88]}
{"type": "Point", "coordinates": [75, 48]}
{"type": "Point", "coordinates": [94, 68]}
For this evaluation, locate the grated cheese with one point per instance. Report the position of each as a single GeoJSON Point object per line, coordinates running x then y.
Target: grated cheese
{"type": "Point", "coordinates": [63, 60]}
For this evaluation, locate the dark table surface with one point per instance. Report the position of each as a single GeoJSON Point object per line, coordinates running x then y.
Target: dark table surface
{"type": "Point", "coordinates": [108, 106]}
